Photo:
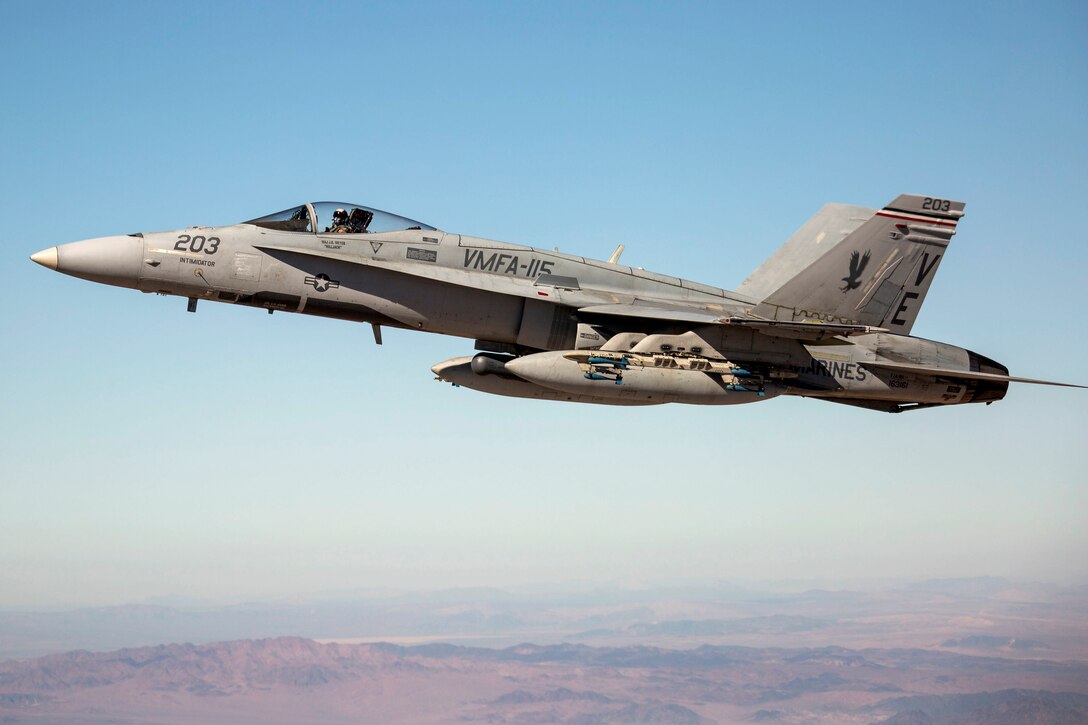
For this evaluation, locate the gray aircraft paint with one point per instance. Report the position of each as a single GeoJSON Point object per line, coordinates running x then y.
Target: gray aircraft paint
{"type": "Point", "coordinates": [827, 316]}
{"type": "Point", "coordinates": [817, 236]}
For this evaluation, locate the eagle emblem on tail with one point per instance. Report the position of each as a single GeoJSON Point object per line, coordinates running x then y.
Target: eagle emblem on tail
{"type": "Point", "coordinates": [857, 266]}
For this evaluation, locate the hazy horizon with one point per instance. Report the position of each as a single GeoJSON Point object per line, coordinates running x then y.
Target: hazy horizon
{"type": "Point", "coordinates": [553, 589]}
{"type": "Point", "coordinates": [989, 650]}
{"type": "Point", "coordinates": [675, 614]}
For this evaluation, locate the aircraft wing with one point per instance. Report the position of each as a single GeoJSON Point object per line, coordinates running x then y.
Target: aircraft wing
{"type": "Point", "coordinates": [503, 284]}
{"type": "Point", "coordinates": [594, 301]}
{"type": "Point", "coordinates": [556, 288]}
{"type": "Point", "coordinates": [803, 330]}
{"type": "Point", "coordinates": [658, 310]}
{"type": "Point", "coordinates": [720, 315]}
{"type": "Point", "coordinates": [963, 374]}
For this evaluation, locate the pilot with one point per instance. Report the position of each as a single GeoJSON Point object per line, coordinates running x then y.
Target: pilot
{"type": "Point", "coordinates": [339, 222]}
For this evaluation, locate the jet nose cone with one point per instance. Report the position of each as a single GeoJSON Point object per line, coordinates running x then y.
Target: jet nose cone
{"type": "Point", "coordinates": [109, 260]}
{"type": "Point", "coordinates": [46, 258]}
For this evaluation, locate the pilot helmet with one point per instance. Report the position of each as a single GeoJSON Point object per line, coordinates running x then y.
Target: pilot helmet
{"type": "Point", "coordinates": [339, 215]}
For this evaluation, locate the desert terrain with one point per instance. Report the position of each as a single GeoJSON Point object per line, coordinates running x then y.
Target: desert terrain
{"type": "Point", "coordinates": [953, 651]}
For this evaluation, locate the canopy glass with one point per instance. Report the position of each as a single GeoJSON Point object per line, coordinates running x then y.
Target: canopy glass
{"type": "Point", "coordinates": [337, 217]}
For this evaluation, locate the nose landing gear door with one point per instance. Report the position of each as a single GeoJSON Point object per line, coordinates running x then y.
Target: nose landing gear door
{"type": "Point", "coordinates": [245, 272]}
{"type": "Point", "coordinates": [237, 281]}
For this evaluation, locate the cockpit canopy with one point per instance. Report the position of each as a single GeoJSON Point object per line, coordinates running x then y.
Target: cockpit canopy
{"type": "Point", "coordinates": [336, 217]}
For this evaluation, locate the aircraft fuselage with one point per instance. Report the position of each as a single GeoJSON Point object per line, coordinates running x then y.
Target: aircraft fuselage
{"type": "Point", "coordinates": [657, 338]}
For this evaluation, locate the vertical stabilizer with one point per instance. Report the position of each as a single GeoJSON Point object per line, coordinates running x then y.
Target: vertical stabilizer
{"type": "Point", "coordinates": [878, 275]}
{"type": "Point", "coordinates": [816, 237]}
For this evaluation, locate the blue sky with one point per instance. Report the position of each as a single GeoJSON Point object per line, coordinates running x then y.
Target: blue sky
{"type": "Point", "coordinates": [231, 454]}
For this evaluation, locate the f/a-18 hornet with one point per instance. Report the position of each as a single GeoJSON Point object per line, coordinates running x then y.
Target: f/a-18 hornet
{"type": "Point", "coordinates": [828, 316]}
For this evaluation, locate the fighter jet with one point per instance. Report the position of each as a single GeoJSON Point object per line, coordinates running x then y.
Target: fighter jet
{"type": "Point", "coordinates": [828, 316]}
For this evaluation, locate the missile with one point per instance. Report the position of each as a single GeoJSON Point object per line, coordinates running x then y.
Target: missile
{"type": "Point", "coordinates": [620, 362]}
{"type": "Point", "coordinates": [644, 384]}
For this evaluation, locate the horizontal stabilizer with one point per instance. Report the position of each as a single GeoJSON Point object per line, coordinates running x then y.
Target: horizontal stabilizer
{"type": "Point", "coordinates": [962, 374]}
